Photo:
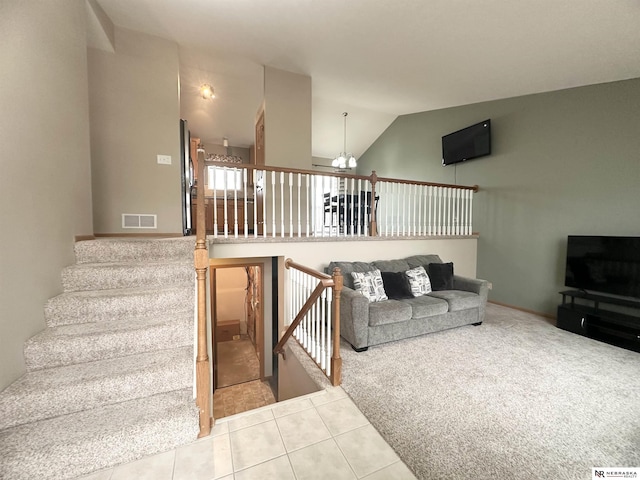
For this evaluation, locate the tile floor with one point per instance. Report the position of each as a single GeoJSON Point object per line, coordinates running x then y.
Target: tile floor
{"type": "Point", "coordinates": [319, 436]}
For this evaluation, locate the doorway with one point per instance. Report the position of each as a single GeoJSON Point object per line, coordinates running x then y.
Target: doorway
{"type": "Point", "coordinates": [236, 291]}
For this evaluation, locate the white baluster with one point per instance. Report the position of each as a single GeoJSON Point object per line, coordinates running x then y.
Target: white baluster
{"type": "Point", "coordinates": [244, 188]}
{"type": "Point", "coordinates": [420, 188]}
{"type": "Point", "coordinates": [235, 203]}
{"type": "Point", "coordinates": [273, 204]}
{"type": "Point", "coordinates": [225, 203]}
{"type": "Point", "coordinates": [306, 216]}
{"type": "Point", "coordinates": [255, 203]}
{"type": "Point", "coordinates": [264, 203]}
{"type": "Point", "coordinates": [215, 202]}
{"type": "Point", "coordinates": [470, 213]}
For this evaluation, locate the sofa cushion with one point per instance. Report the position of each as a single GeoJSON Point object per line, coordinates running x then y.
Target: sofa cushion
{"type": "Point", "coordinates": [441, 275]}
{"type": "Point", "coordinates": [347, 267]}
{"type": "Point", "coordinates": [396, 285]}
{"type": "Point", "coordinates": [458, 299]}
{"type": "Point", "coordinates": [422, 260]}
{"type": "Point", "coordinates": [391, 265]}
{"type": "Point", "coordinates": [427, 306]}
{"type": "Point", "coordinates": [389, 311]}
{"type": "Point", "coordinates": [370, 285]}
{"type": "Point", "coordinates": [418, 281]}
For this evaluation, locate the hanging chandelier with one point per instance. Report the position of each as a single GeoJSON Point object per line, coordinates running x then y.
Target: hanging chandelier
{"type": "Point", "coordinates": [344, 159]}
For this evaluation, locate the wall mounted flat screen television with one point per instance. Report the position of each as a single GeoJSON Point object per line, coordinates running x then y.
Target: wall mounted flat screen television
{"type": "Point", "coordinates": [468, 143]}
{"type": "Point", "coordinates": [604, 264]}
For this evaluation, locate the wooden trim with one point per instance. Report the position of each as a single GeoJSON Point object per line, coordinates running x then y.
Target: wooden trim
{"type": "Point", "coordinates": [201, 263]}
{"type": "Point", "coordinates": [309, 271]}
{"type": "Point", "coordinates": [142, 234]}
{"type": "Point", "coordinates": [82, 238]}
{"type": "Point", "coordinates": [371, 178]}
{"type": "Point", "coordinates": [525, 310]}
{"type": "Point", "coordinates": [336, 360]}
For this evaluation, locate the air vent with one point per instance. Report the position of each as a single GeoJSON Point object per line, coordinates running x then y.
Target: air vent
{"type": "Point", "coordinates": [139, 220]}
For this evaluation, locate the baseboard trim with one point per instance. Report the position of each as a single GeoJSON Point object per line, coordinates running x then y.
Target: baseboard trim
{"type": "Point", "coordinates": [526, 310]}
{"type": "Point", "coordinates": [80, 238]}
{"type": "Point", "coordinates": [139, 235]}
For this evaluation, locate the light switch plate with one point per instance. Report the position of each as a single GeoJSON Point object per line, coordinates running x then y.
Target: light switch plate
{"type": "Point", "coordinates": [164, 159]}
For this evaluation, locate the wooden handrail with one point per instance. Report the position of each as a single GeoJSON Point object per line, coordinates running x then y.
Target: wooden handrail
{"type": "Point", "coordinates": [371, 178]}
{"type": "Point", "coordinates": [201, 262]}
{"type": "Point", "coordinates": [309, 271]}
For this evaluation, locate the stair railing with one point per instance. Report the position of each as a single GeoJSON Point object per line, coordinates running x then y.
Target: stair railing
{"type": "Point", "coordinates": [315, 301]}
{"type": "Point", "coordinates": [201, 262]}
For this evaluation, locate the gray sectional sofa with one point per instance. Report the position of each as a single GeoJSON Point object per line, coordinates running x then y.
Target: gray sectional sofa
{"type": "Point", "coordinates": [364, 323]}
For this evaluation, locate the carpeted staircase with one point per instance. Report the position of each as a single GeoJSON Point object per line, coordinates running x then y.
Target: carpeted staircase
{"type": "Point", "coordinates": [110, 378]}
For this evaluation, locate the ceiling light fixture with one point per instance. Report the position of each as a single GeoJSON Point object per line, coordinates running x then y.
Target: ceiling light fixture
{"type": "Point", "coordinates": [343, 159]}
{"type": "Point", "coordinates": [207, 92]}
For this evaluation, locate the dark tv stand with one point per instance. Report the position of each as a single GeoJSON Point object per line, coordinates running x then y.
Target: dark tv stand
{"type": "Point", "coordinates": [591, 321]}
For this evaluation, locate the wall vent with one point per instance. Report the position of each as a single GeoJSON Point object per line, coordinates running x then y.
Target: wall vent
{"type": "Point", "coordinates": [139, 220]}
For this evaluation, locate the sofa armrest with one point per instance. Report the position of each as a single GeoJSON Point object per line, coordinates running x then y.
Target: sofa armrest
{"type": "Point", "coordinates": [354, 318]}
{"type": "Point", "coordinates": [475, 285]}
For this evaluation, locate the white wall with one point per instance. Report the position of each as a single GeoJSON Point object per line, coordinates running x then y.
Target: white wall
{"type": "Point", "coordinates": [231, 284]}
{"type": "Point", "coordinates": [45, 175]}
{"type": "Point", "coordinates": [135, 115]}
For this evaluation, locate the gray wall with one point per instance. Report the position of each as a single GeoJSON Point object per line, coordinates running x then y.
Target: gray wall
{"type": "Point", "coordinates": [45, 178]}
{"type": "Point", "coordinates": [135, 113]}
{"type": "Point", "coordinates": [565, 162]}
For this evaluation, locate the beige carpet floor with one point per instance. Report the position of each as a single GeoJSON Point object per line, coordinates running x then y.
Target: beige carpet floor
{"type": "Point", "coordinates": [514, 398]}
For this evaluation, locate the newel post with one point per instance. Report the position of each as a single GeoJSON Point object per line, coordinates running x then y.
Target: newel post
{"type": "Point", "coordinates": [373, 231]}
{"type": "Point", "coordinates": [336, 361]}
{"type": "Point", "coordinates": [201, 262]}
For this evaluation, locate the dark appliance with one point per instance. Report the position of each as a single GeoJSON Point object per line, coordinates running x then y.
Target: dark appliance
{"type": "Point", "coordinates": [470, 142]}
{"type": "Point", "coordinates": [604, 264]}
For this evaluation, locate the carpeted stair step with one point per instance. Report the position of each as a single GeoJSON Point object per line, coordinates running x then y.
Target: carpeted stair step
{"type": "Point", "coordinates": [59, 391]}
{"type": "Point", "coordinates": [104, 305]}
{"type": "Point", "coordinates": [89, 342]}
{"type": "Point", "coordinates": [107, 276]}
{"type": "Point", "coordinates": [72, 445]}
{"type": "Point", "coordinates": [136, 250]}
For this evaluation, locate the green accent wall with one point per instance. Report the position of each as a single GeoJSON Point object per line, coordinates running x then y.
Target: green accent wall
{"type": "Point", "coordinates": [563, 162]}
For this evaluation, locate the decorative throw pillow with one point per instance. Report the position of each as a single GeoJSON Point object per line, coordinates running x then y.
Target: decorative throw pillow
{"type": "Point", "coordinates": [396, 285]}
{"type": "Point", "coordinates": [441, 275]}
{"type": "Point", "coordinates": [370, 285]}
{"type": "Point", "coordinates": [418, 281]}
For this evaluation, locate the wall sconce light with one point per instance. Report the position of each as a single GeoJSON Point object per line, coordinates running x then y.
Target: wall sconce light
{"type": "Point", "coordinates": [207, 92]}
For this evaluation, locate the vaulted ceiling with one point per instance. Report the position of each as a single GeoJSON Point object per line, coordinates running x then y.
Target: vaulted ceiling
{"type": "Point", "coordinates": [378, 59]}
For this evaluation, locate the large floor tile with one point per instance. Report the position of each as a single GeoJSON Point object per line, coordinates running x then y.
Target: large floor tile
{"type": "Point", "coordinates": [330, 394]}
{"type": "Point", "coordinates": [290, 407]}
{"type": "Point", "coordinates": [101, 475]}
{"type": "Point", "coordinates": [276, 469]}
{"type": "Point", "coordinates": [302, 429]}
{"type": "Point", "coordinates": [244, 421]}
{"type": "Point", "coordinates": [204, 460]}
{"type": "Point", "coordinates": [321, 461]}
{"type": "Point", "coordinates": [156, 467]}
{"type": "Point", "coordinates": [365, 450]}
{"type": "Point", "coordinates": [396, 471]}
{"type": "Point", "coordinates": [253, 445]}
{"type": "Point", "coordinates": [341, 416]}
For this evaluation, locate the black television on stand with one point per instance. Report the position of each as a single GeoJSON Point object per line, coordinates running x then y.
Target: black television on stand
{"type": "Point", "coordinates": [604, 272]}
{"type": "Point", "coordinates": [470, 142]}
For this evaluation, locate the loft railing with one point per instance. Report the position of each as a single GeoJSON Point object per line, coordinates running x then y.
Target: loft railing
{"type": "Point", "coordinates": [260, 202]}
{"type": "Point", "coordinates": [315, 317]}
